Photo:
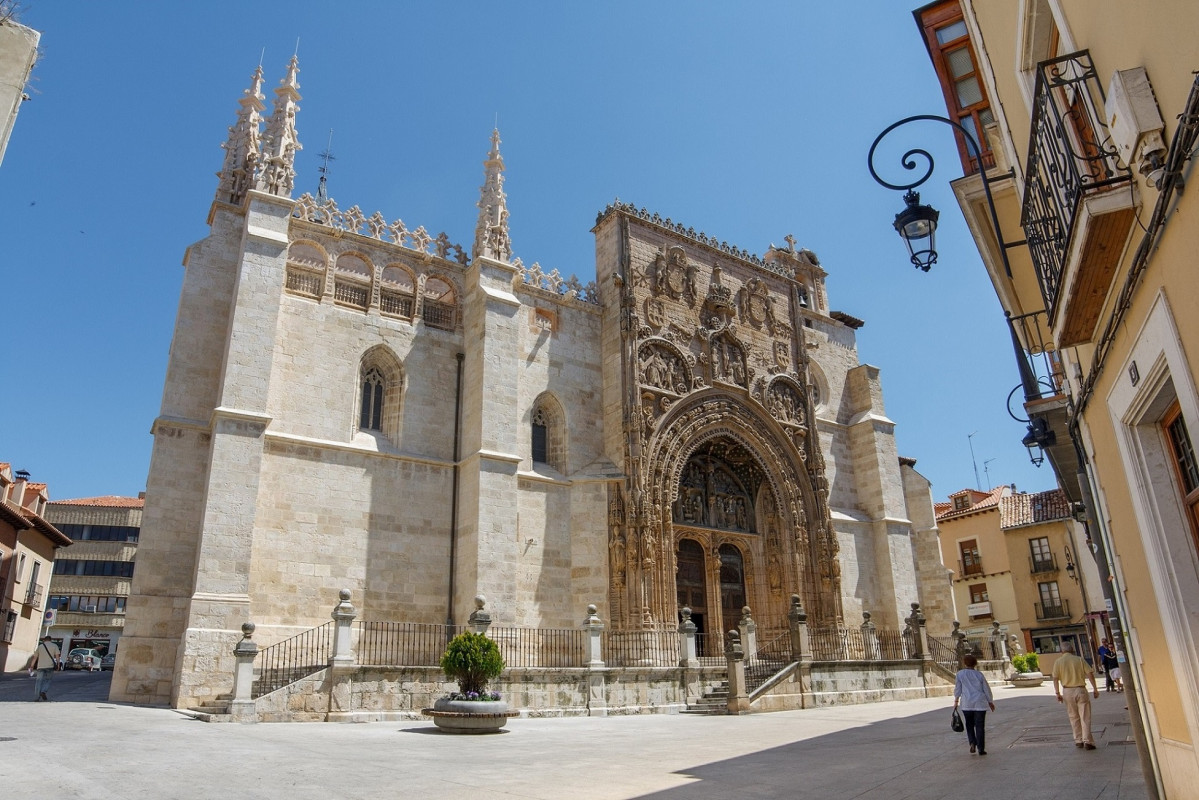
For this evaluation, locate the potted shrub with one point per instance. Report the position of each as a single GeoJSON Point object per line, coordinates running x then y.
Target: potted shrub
{"type": "Point", "coordinates": [471, 660]}
{"type": "Point", "coordinates": [1027, 673]}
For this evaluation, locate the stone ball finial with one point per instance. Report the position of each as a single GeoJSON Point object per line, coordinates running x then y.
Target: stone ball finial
{"type": "Point", "coordinates": [686, 612]}
{"type": "Point", "coordinates": [795, 601]}
{"type": "Point", "coordinates": [591, 610]}
{"type": "Point", "coordinates": [480, 601]}
{"type": "Point", "coordinates": [865, 616]}
{"type": "Point", "coordinates": [915, 606]}
{"type": "Point", "coordinates": [247, 629]}
{"type": "Point", "coordinates": [344, 595]}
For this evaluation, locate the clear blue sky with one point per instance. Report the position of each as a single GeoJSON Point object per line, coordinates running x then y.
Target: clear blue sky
{"type": "Point", "coordinates": [748, 121]}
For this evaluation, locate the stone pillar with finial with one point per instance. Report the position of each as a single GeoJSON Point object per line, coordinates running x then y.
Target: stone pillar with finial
{"type": "Point", "coordinates": [597, 691]}
{"type": "Point", "coordinates": [480, 618]}
{"type": "Point", "coordinates": [749, 632]}
{"type": "Point", "coordinates": [343, 631]}
{"type": "Point", "coordinates": [960, 645]}
{"type": "Point", "coordinates": [734, 655]}
{"type": "Point", "coordinates": [998, 642]}
{"type": "Point", "coordinates": [870, 648]}
{"type": "Point", "coordinates": [688, 656]}
{"type": "Point", "coordinates": [242, 707]}
{"type": "Point", "coordinates": [593, 629]}
{"type": "Point", "coordinates": [797, 621]}
{"type": "Point", "coordinates": [343, 663]}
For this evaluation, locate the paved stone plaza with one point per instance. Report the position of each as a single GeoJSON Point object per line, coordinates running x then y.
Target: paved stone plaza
{"type": "Point", "coordinates": [82, 746]}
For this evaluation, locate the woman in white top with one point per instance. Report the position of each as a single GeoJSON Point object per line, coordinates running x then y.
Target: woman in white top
{"type": "Point", "coordinates": [973, 693]}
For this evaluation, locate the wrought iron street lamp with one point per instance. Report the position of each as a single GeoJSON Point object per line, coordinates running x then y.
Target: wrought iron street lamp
{"type": "Point", "coordinates": [917, 222]}
{"type": "Point", "coordinates": [1038, 439]}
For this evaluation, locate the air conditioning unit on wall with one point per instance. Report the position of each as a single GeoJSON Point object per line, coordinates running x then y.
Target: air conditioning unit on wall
{"type": "Point", "coordinates": [89, 609]}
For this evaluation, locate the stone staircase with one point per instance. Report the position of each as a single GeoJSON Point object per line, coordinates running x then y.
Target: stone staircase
{"type": "Point", "coordinates": [215, 710]}
{"type": "Point", "coordinates": [714, 702]}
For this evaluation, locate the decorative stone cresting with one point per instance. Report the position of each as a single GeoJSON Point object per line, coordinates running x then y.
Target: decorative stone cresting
{"type": "Point", "coordinates": [554, 283]}
{"type": "Point", "coordinates": [654, 218]}
{"type": "Point", "coordinates": [352, 220]}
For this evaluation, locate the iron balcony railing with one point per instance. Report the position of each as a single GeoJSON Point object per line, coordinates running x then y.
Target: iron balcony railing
{"type": "Point", "coordinates": [33, 597]}
{"type": "Point", "coordinates": [1070, 155]}
{"type": "Point", "coordinates": [1039, 357]}
{"type": "Point", "coordinates": [974, 567]}
{"type": "Point", "coordinates": [1039, 565]}
{"type": "Point", "coordinates": [1053, 611]}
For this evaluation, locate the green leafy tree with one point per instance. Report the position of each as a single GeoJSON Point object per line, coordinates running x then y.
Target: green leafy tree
{"type": "Point", "coordinates": [472, 660]}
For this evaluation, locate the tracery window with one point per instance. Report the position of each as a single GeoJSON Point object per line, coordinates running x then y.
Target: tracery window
{"type": "Point", "coordinates": [373, 386]}
{"type": "Point", "coordinates": [540, 438]}
{"type": "Point", "coordinates": [547, 433]}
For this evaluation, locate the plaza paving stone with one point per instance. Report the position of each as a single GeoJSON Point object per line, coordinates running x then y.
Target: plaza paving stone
{"type": "Point", "coordinates": [83, 747]}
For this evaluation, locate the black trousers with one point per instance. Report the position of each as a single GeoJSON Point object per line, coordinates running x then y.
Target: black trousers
{"type": "Point", "coordinates": [976, 728]}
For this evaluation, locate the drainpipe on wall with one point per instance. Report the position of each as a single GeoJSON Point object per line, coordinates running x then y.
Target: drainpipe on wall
{"type": "Point", "coordinates": [449, 614]}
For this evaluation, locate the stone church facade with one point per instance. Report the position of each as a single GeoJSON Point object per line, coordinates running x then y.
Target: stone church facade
{"type": "Point", "coordinates": [350, 403]}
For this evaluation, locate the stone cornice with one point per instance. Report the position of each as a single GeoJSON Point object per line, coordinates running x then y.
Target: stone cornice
{"type": "Point", "coordinates": [350, 447]}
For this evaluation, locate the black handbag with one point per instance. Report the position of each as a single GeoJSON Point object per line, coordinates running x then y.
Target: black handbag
{"type": "Point", "coordinates": [956, 723]}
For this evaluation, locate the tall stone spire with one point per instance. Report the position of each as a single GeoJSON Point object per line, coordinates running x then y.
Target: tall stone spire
{"type": "Point", "coordinates": [242, 148]}
{"type": "Point", "coordinates": [491, 232]}
{"type": "Point", "coordinates": [280, 142]}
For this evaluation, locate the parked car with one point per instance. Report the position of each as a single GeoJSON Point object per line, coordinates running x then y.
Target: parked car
{"type": "Point", "coordinates": [109, 661]}
{"type": "Point", "coordinates": [84, 658]}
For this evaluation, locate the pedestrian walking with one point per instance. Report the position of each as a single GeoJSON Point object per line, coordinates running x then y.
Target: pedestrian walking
{"type": "Point", "coordinates": [41, 664]}
{"type": "Point", "coordinates": [1070, 676]}
{"type": "Point", "coordinates": [1107, 659]}
{"type": "Point", "coordinates": [973, 693]}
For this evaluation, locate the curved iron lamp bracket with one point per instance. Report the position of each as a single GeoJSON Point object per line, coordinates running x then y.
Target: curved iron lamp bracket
{"type": "Point", "coordinates": [910, 162]}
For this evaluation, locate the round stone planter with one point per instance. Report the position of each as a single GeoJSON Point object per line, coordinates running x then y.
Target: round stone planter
{"type": "Point", "coordinates": [1026, 680]}
{"type": "Point", "coordinates": [469, 716]}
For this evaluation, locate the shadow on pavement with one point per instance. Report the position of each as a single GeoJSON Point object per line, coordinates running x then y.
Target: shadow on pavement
{"type": "Point", "coordinates": [1030, 752]}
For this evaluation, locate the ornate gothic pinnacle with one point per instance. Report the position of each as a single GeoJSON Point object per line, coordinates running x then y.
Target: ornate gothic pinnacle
{"type": "Point", "coordinates": [280, 142]}
{"type": "Point", "coordinates": [491, 232]}
{"type": "Point", "coordinates": [242, 148]}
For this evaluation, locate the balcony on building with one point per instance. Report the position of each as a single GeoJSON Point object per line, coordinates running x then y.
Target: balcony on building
{"type": "Point", "coordinates": [1040, 566]}
{"type": "Point", "coordinates": [967, 569]}
{"type": "Point", "coordinates": [1051, 612]}
{"type": "Point", "coordinates": [1047, 394]}
{"type": "Point", "coordinates": [33, 597]}
{"type": "Point", "coordinates": [1080, 201]}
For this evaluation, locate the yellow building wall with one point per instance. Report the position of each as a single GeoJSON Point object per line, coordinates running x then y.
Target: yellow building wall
{"type": "Point", "coordinates": [982, 526]}
{"type": "Point", "coordinates": [1159, 36]}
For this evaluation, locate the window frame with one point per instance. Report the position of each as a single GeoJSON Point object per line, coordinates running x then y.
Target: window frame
{"type": "Point", "coordinates": [935, 19]}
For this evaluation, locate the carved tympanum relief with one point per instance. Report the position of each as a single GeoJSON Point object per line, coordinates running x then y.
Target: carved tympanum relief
{"type": "Point", "coordinates": [663, 369]}
{"type": "Point", "coordinates": [727, 360]}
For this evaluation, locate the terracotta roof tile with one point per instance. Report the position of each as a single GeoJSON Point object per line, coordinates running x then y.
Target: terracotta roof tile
{"type": "Point", "coordinates": [1032, 509]}
{"type": "Point", "coordinates": [979, 501]}
{"type": "Point", "coordinates": [108, 500]}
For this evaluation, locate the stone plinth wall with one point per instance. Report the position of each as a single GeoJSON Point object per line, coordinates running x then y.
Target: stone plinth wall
{"type": "Point", "coordinates": [376, 694]}
{"type": "Point", "coordinates": [850, 683]}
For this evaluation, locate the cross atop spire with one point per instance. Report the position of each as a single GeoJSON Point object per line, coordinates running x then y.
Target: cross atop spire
{"type": "Point", "coordinates": [242, 148]}
{"type": "Point", "coordinates": [491, 232]}
{"type": "Point", "coordinates": [280, 140]}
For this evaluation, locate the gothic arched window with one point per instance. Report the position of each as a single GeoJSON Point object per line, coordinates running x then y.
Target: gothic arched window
{"type": "Point", "coordinates": [547, 433]}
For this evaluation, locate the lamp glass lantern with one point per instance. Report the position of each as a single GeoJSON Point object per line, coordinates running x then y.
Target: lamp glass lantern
{"type": "Point", "coordinates": [1039, 437]}
{"type": "Point", "coordinates": [917, 224]}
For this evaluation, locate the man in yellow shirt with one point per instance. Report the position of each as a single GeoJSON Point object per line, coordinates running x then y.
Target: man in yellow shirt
{"type": "Point", "coordinates": [1070, 675]}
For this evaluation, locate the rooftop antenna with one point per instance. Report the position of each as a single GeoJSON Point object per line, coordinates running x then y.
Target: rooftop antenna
{"type": "Point", "coordinates": [987, 472]}
{"type": "Point", "coordinates": [322, 193]}
{"type": "Point", "coordinates": [977, 483]}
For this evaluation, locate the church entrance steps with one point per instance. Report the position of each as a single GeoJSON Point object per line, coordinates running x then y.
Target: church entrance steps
{"type": "Point", "coordinates": [714, 702]}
